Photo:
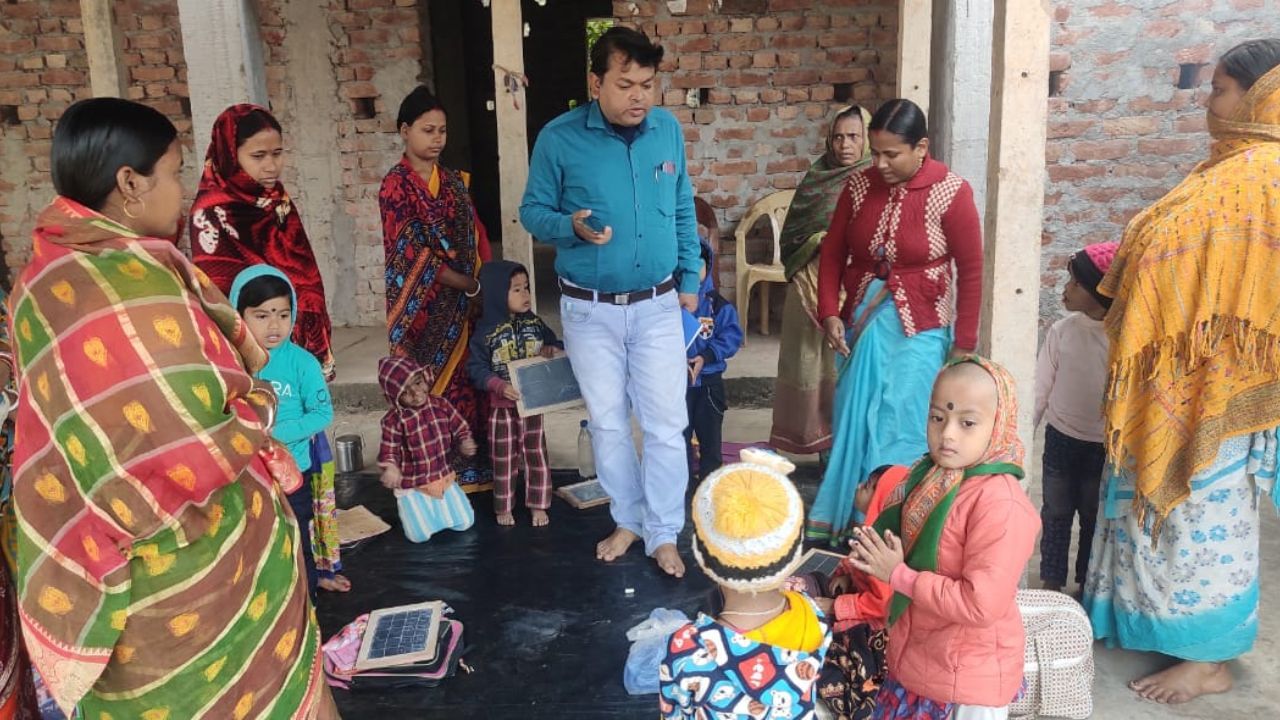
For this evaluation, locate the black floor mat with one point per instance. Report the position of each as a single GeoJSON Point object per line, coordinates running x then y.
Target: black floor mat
{"type": "Point", "coordinates": [545, 622]}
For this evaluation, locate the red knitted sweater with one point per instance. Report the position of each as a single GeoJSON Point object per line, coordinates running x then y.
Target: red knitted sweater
{"type": "Point", "coordinates": [924, 228]}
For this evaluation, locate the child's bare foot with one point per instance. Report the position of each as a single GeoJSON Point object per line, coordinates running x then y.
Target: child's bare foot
{"type": "Point", "coordinates": [1184, 682]}
{"type": "Point", "coordinates": [668, 559]}
{"type": "Point", "coordinates": [337, 583]}
{"type": "Point", "coordinates": [506, 519]}
{"type": "Point", "coordinates": [616, 545]}
{"type": "Point", "coordinates": [540, 518]}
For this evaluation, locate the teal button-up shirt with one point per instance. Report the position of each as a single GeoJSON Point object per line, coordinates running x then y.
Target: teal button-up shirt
{"type": "Point", "coordinates": [641, 190]}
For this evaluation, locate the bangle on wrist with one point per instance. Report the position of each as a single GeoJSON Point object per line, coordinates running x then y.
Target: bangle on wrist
{"type": "Point", "coordinates": [473, 293]}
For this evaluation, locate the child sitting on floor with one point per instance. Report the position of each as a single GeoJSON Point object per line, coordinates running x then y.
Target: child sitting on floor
{"type": "Point", "coordinates": [264, 297]}
{"type": "Point", "coordinates": [508, 330]}
{"type": "Point", "coordinates": [759, 652]}
{"type": "Point", "coordinates": [859, 605]}
{"type": "Point", "coordinates": [952, 543]}
{"type": "Point", "coordinates": [418, 433]}
{"type": "Point", "coordinates": [1071, 377]}
{"type": "Point", "coordinates": [716, 337]}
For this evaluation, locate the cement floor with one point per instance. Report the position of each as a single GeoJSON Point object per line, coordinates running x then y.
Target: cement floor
{"type": "Point", "coordinates": [579, 588]}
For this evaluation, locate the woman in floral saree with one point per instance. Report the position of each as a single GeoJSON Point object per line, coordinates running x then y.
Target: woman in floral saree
{"type": "Point", "coordinates": [434, 245]}
{"type": "Point", "coordinates": [1194, 398]}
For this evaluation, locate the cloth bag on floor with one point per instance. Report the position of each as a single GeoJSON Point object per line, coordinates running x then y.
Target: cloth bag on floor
{"type": "Point", "coordinates": [1058, 658]}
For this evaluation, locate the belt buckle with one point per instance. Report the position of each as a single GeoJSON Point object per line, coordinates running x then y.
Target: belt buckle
{"type": "Point", "coordinates": [622, 299]}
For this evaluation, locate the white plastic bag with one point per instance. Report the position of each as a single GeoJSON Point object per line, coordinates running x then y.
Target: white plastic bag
{"type": "Point", "coordinates": [648, 647]}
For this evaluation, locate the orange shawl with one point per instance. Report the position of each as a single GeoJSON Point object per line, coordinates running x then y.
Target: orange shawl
{"type": "Point", "coordinates": [1195, 328]}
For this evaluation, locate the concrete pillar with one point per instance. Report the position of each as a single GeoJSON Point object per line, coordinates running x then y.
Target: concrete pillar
{"type": "Point", "coordinates": [513, 133]}
{"type": "Point", "coordinates": [1015, 196]}
{"type": "Point", "coordinates": [311, 125]}
{"type": "Point", "coordinates": [915, 30]}
{"type": "Point", "coordinates": [103, 44]}
{"type": "Point", "coordinates": [960, 89]}
{"type": "Point", "coordinates": [224, 60]}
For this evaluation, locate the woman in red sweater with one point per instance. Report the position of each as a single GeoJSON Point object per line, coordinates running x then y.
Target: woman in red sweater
{"type": "Point", "coordinates": [906, 245]}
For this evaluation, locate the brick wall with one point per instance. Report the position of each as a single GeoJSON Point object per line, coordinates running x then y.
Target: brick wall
{"type": "Point", "coordinates": [43, 68]}
{"type": "Point", "coordinates": [767, 73]}
{"type": "Point", "coordinates": [1121, 131]}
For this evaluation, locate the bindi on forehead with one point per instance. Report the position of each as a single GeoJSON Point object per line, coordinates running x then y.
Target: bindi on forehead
{"type": "Point", "coordinates": [951, 406]}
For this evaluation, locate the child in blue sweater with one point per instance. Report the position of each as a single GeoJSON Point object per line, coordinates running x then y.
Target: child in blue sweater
{"type": "Point", "coordinates": [264, 297]}
{"type": "Point", "coordinates": [712, 336]}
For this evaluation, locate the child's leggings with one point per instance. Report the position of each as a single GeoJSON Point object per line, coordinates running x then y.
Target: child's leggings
{"type": "Point", "coordinates": [1071, 476]}
{"type": "Point", "coordinates": [518, 444]}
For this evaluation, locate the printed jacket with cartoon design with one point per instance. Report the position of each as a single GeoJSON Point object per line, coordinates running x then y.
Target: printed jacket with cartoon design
{"type": "Point", "coordinates": [712, 671]}
{"type": "Point", "coordinates": [418, 440]}
{"type": "Point", "coordinates": [719, 334]}
{"type": "Point", "coordinates": [500, 337]}
{"type": "Point", "coordinates": [305, 407]}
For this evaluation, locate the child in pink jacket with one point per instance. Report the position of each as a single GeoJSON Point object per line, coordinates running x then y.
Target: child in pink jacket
{"type": "Point", "coordinates": [967, 530]}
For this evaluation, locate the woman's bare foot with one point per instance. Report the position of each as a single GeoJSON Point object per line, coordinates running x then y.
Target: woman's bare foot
{"type": "Point", "coordinates": [506, 519]}
{"type": "Point", "coordinates": [616, 545]}
{"type": "Point", "coordinates": [540, 518]}
{"type": "Point", "coordinates": [668, 559]}
{"type": "Point", "coordinates": [1184, 682]}
{"type": "Point", "coordinates": [337, 583]}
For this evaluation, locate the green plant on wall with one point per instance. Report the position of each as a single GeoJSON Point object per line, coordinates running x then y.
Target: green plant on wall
{"type": "Point", "coordinates": [595, 28]}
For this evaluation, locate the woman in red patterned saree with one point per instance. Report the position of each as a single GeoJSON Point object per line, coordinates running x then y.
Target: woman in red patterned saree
{"type": "Point", "coordinates": [434, 246]}
{"type": "Point", "coordinates": [242, 216]}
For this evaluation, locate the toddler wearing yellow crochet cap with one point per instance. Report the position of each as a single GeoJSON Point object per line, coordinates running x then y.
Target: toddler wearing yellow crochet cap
{"type": "Point", "coordinates": [760, 654]}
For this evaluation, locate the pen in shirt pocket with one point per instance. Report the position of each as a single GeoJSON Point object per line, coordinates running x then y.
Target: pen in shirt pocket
{"type": "Point", "coordinates": [665, 167]}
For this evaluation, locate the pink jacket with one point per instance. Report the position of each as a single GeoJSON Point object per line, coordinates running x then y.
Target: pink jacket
{"type": "Point", "coordinates": [961, 639]}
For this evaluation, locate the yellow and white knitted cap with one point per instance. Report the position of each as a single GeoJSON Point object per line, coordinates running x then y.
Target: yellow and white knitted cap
{"type": "Point", "coordinates": [748, 524]}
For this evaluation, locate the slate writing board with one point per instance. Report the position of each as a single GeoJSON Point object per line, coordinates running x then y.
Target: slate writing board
{"type": "Point", "coordinates": [544, 385]}
{"type": "Point", "coordinates": [583, 495]}
{"type": "Point", "coordinates": [819, 560]}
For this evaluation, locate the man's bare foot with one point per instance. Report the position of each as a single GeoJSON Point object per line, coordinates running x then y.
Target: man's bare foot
{"type": "Point", "coordinates": [337, 583]}
{"type": "Point", "coordinates": [540, 518]}
{"type": "Point", "coordinates": [506, 519]}
{"type": "Point", "coordinates": [616, 545]}
{"type": "Point", "coordinates": [668, 559]}
{"type": "Point", "coordinates": [1184, 682]}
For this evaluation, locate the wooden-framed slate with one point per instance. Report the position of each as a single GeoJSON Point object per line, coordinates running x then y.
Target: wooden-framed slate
{"type": "Point", "coordinates": [819, 560]}
{"type": "Point", "coordinates": [545, 385]}
{"type": "Point", "coordinates": [583, 495]}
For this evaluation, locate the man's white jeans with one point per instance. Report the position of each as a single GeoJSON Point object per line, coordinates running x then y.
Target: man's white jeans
{"type": "Point", "coordinates": [631, 357]}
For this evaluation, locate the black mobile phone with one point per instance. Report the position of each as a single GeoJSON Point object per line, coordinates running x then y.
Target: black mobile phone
{"type": "Point", "coordinates": [593, 222]}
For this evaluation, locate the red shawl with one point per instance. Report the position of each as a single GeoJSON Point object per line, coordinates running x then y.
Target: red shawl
{"type": "Point", "coordinates": [236, 223]}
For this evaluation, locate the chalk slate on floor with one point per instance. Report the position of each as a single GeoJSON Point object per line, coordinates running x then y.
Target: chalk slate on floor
{"type": "Point", "coordinates": [545, 622]}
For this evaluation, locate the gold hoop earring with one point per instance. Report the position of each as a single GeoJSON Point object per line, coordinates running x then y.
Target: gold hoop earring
{"type": "Point", "coordinates": [130, 215]}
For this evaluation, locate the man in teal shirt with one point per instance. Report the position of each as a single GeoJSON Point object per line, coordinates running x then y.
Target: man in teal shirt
{"type": "Point", "coordinates": [608, 187]}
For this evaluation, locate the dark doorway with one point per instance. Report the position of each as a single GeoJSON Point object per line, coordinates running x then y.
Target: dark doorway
{"type": "Point", "coordinates": [555, 52]}
{"type": "Point", "coordinates": [462, 57]}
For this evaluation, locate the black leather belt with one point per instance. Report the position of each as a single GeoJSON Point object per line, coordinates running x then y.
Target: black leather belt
{"type": "Point", "coordinates": [623, 298]}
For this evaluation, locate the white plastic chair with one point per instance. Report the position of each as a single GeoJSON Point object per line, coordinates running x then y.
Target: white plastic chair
{"type": "Point", "coordinates": [773, 206]}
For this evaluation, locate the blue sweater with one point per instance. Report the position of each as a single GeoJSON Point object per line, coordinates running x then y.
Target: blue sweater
{"type": "Point", "coordinates": [305, 408]}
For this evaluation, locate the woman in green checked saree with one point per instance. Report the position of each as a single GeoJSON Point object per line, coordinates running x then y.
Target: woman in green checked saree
{"type": "Point", "coordinates": [158, 567]}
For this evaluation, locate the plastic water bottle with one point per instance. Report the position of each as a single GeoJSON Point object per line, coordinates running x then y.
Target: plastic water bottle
{"type": "Point", "coordinates": [586, 458]}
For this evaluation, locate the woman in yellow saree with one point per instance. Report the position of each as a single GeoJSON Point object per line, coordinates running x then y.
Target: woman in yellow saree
{"type": "Point", "coordinates": [1194, 397]}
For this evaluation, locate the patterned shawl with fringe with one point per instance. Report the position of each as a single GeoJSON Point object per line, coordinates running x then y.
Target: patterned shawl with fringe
{"type": "Point", "coordinates": [1195, 327]}
{"type": "Point", "coordinates": [158, 566]}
